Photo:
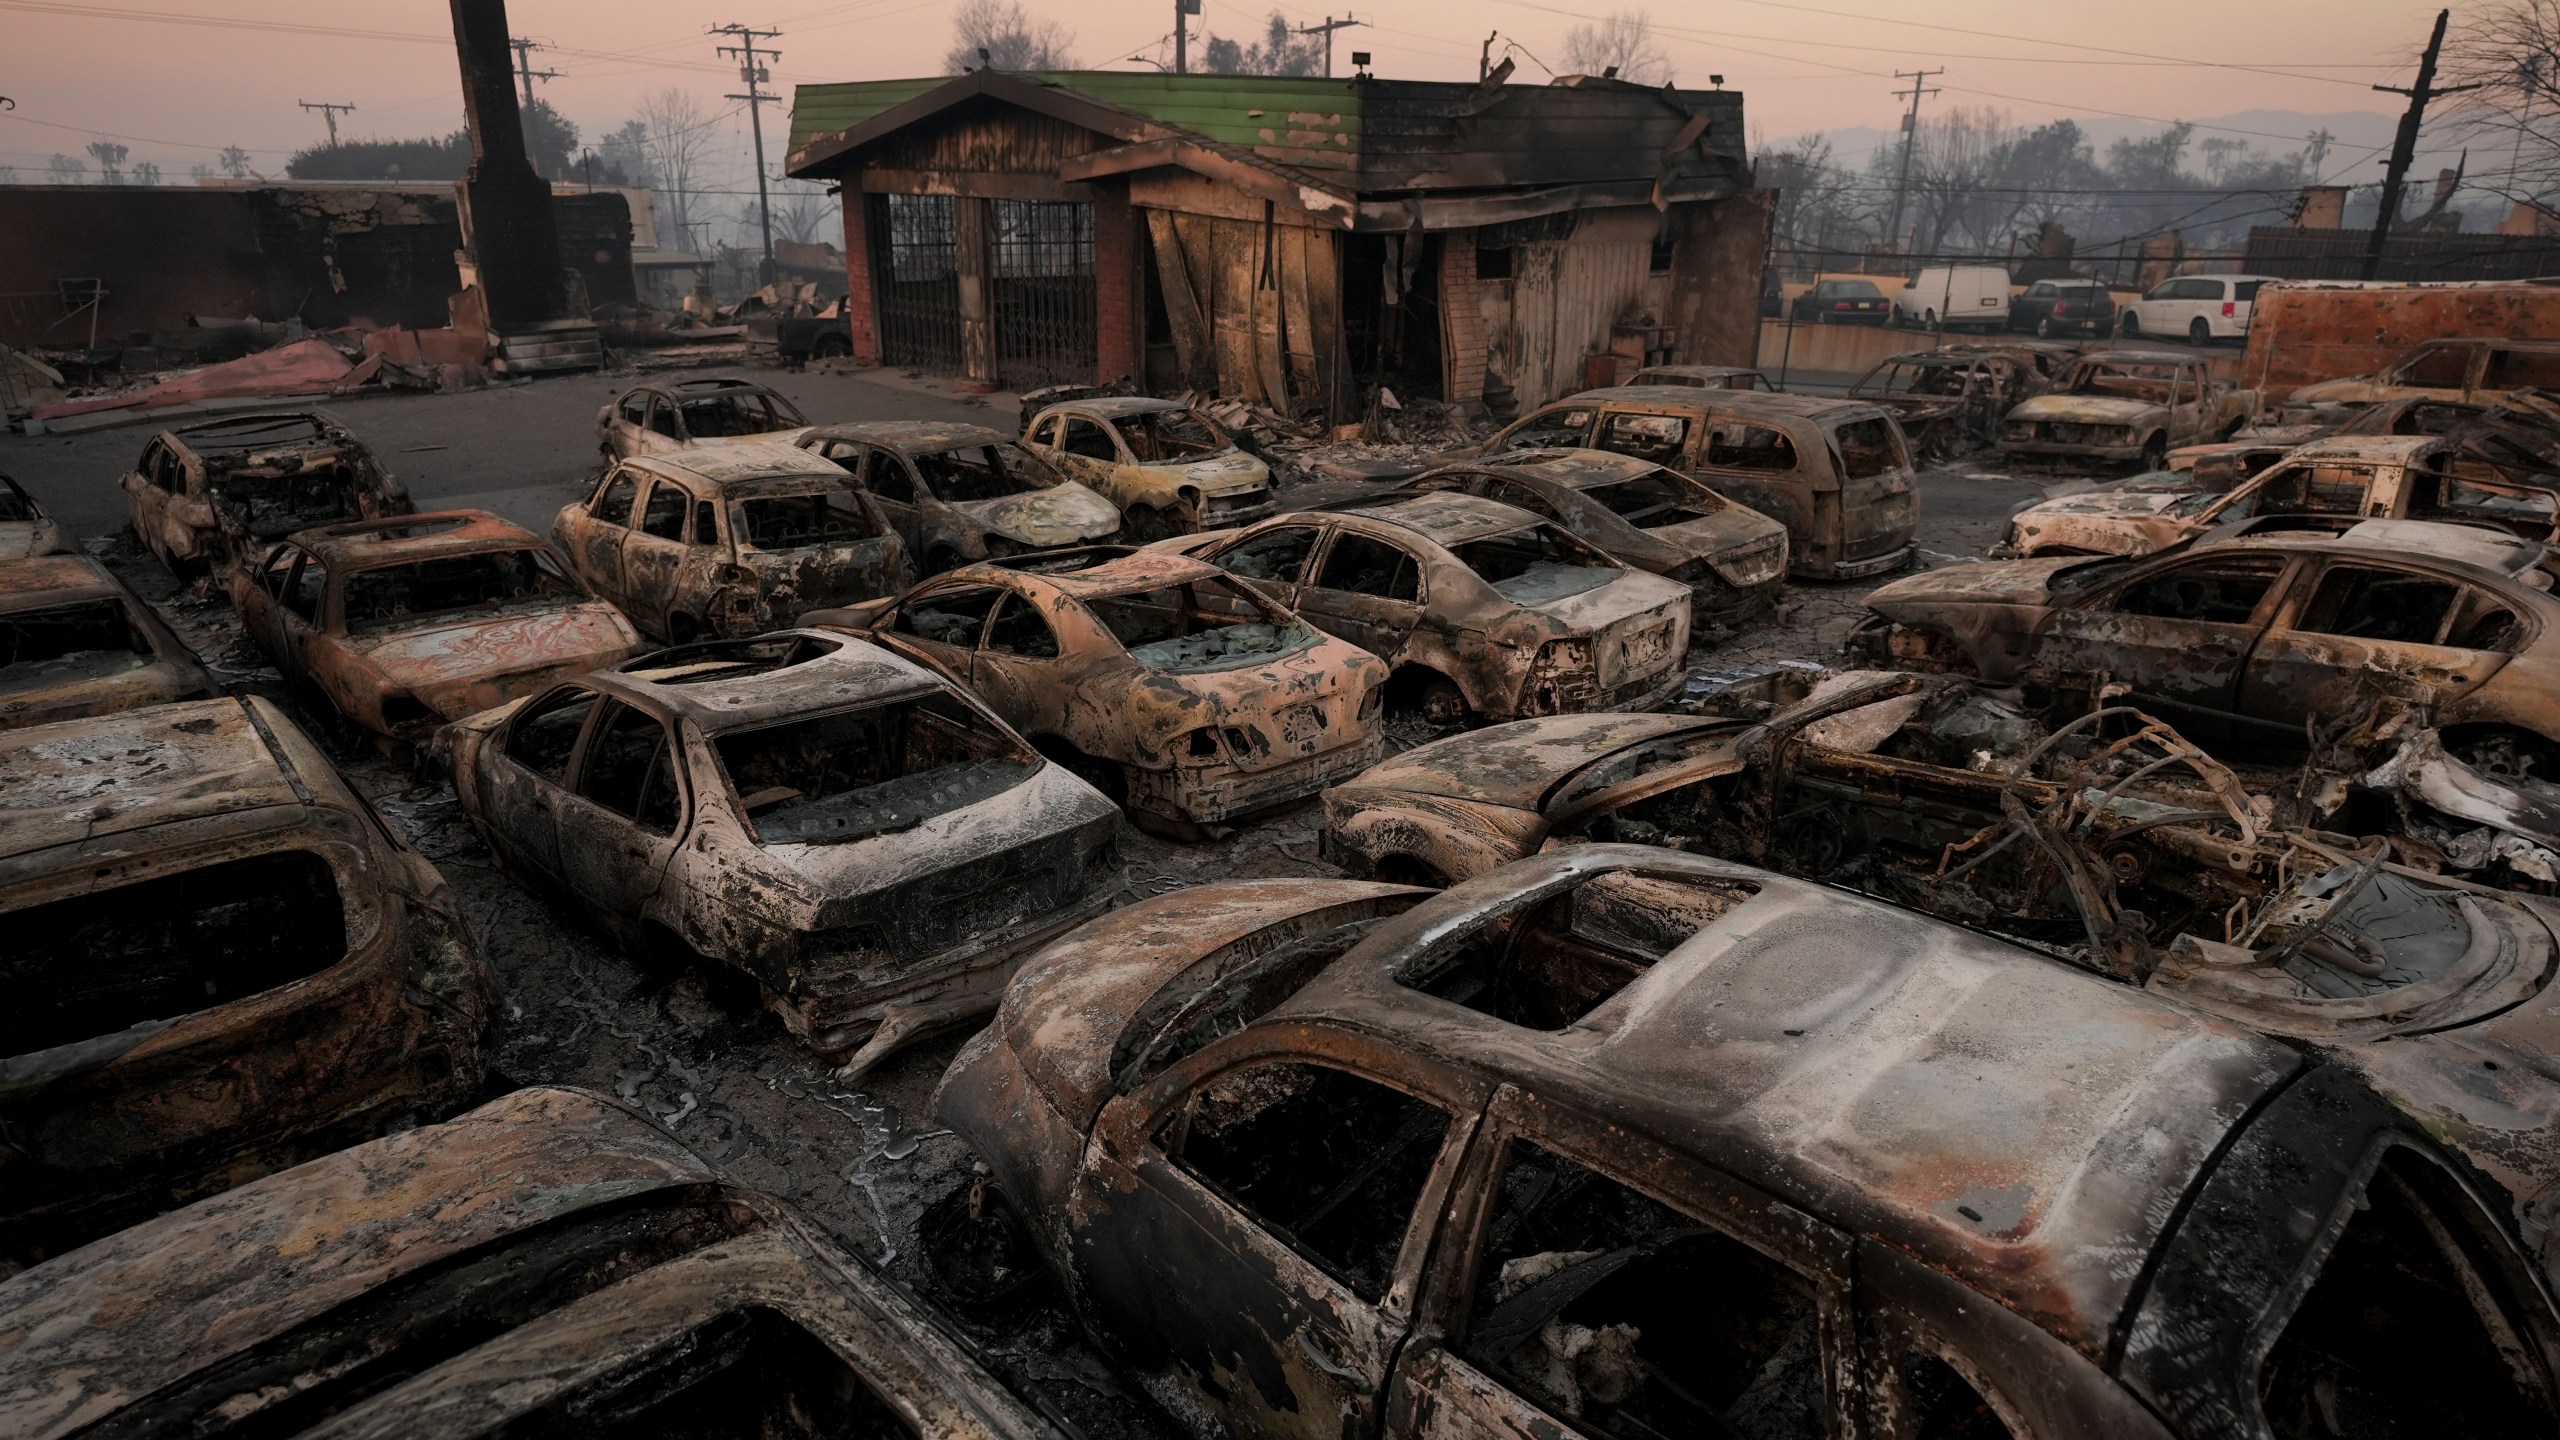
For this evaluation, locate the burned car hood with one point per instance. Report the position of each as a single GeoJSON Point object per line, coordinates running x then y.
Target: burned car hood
{"type": "Point", "coordinates": [1234, 473]}
{"type": "Point", "coordinates": [437, 662]}
{"type": "Point", "coordinates": [1063, 514]}
{"type": "Point", "coordinates": [839, 876]}
{"type": "Point", "coordinates": [1984, 582]}
{"type": "Point", "coordinates": [2086, 409]}
{"type": "Point", "coordinates": [1630, 594]}
{"type": "Point", "coordinates": [1514, 765]}
{"type": "Point", "coordinates": [22, 538]}
{"type": "Point", "coordinates": [2107, 502]}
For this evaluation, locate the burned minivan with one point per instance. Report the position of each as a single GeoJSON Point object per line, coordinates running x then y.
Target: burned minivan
{"type": "Point", "coordinates": [1628, 1143]}
{"type": "Point", "coordinates": [548, 1264]}
{"type": "Point", "coordinates": [1837, 473]}
{"type": "Point", "coordinates": [74, 641]}
{"type": "Point", "coordinates": [856, 836]}
{"type": "Point", "coordinates": [220, 962]}
{"type": "Point", "coordinates": [208, 495]}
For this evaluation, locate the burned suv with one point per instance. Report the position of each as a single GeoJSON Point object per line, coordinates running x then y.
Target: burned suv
{"type": "Point", "coordinates": [220, 962]}
{"type": "Point", "coordinates": [206, 496]}
{"type": "Point", "coordinates": [1630, 1143]}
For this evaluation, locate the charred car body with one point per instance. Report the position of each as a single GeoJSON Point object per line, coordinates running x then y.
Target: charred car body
{"type": "Point", "coordinates": [959, 493]}
{"type": "Point", "coordinates": [1836, 473]}
{"type": "Point", "coordinates": [2476, 369]}
{"type": "Point", "coordinates": [220, 962]}
{"type": "Point", "coordinates": [1168, 467]}
{"type": "Point", "coordinates": [1950, 400]}
{"type": "Point", "coordinates": [74, 641]}
{"type": "Point", "coordinates": [1479, 609]}
{"type": "Point", "coordinates": [729, 540]}
{"type": "Point", "coordinates": [1187, 696]}
{"type": "Point", "coordinates": [547, 1264]}
{"type": "Point", "coordinates": [861, 838]}
{"type": "Point", "coordinates": [1321, 1155]}
{"type": "Point", "coordinates": [208, 495]}
{"type": "Point", "coordinates": [405, 624]}
{"type": "Point", "coordinates": [669, 417]}
{"type": "Point", "coordinates": [1703, 377]}
{"type": "Point", "coordinates": [2324, 485]}
{"type": "Point", "coordinates": [25, 529]}
{"type": "Point", "coordinates": [2126, 406]}
{"type": "Point", "coordinates": [1732, 557]}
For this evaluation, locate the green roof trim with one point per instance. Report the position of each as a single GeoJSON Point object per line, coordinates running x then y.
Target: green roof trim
{"type": "Point", "coordinates": [1316, 121]}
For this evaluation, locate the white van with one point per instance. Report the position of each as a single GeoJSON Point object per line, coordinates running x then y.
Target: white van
{"type": "Point", "coordinates": [2195, 308]}
{"type": "Point", "coordinates": [1975, 296]}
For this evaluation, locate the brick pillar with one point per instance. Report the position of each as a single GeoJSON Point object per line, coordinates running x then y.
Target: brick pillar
{"type": "Point", "coordinates": [1115, 285]}
{"type": "Point", "coordinates": [861, 297]}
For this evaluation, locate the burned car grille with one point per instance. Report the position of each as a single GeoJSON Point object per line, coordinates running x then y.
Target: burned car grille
{"type": "Point", "coordinates": [2067, 433]}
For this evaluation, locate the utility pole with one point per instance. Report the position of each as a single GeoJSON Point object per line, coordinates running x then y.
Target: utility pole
{"type": "Point", "coordinates": [524, 65]}
{"type": "Point", "coordinates": [1910, 133]}
{"type": "Point", "coordinates": [753, 71]}
{"type": "Point", "coordinates": [1326, 30]}
{"type": "Point", "coordinates": [1183, 10]}
{"type": "Point", "coordinates": [328, 112]}
{"type": "Point", "coordinates": [1484, 57]}
{"type": "Point", "coordinates": [2404, 146]}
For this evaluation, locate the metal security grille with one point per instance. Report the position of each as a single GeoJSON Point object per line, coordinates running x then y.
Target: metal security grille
{"type": "Point", "coordinates": [915, 254]}
{"type": "Point", "coordinates": [1043, 286]}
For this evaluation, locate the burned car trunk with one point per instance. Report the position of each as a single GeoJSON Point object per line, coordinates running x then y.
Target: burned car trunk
{"type": "Point", "coordinates": [547, 1264]}
{"type": "Point", "coordinates": [75, 642]}
{"type": "Point", "coordinates": [221, 963]}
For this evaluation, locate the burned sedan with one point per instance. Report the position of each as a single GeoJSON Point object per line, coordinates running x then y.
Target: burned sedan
{"type": "Point", "coordinates": [668, 417]}
{"type": "Point", "coordinates": [1480, 609]}
{"type": "Point", "coordinates": [729, 541]}
{"type": "Point", "coordinates": [219, 963]}
{"type": "Point", "coordinates": [74, 641]}
{"type": "Point", "coordinates": [2270, 641]}
{"type": "Point", "coordinates": [211, 494]}
{"type": "Point", "coordinates": [857, 836]}
{"type": "Point", "coordinates": [1624, 1142]}
{"type": "Point", "coordinates": [1951, 400]}
{"type": "Point", "coordinates": [405, 624]}
{"type": "Point", "coordinates": [2323, 485]}
{"type": "Point", "coordinates": [959, 493]}
{"type": "Point", "coordinates": [25, 529]}
{"type": "Point", "coordinates": [547, 1264]}
{"type": "Point", "coordinates": [1732, 557]}
{"type": "Point", "coordinates": [1185, 695]}
{"type": "Point", "coordinates": [1168, 467]}
{"type": "Point", "coordinates": [2120, 407]}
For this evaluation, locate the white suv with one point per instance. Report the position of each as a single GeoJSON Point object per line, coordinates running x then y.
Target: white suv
{"type": "Point", "coordinates": [2197, 307]}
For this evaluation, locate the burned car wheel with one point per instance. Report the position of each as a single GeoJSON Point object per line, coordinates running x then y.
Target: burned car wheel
{"type": "Point", "coordinates": [980, 1256]}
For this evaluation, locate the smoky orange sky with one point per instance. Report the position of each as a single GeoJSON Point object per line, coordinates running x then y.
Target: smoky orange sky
{"type": "Point", "coordinates": [175, 81]}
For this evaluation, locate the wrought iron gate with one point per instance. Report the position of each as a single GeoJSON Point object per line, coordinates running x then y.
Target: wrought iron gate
{"type": "Point", "coordinates": [915, 254]}
{"type": "Point", "coordinates": [1042, 285]}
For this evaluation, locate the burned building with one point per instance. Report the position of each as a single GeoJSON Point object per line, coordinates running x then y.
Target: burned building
{"type": "Point", "coordinates": [1296, 241]}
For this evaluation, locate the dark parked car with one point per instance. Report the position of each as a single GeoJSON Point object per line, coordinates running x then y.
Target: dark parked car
{"type": "Point", "coordinates": [2064, 307]}
{"type": "Point", "coordinates": [1841, 302]}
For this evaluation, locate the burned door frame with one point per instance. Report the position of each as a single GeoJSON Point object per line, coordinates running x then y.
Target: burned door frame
{"type": "Point", "coordinates": [916, 237]}
{"type": "Point", "coordinates": [1042, 290]}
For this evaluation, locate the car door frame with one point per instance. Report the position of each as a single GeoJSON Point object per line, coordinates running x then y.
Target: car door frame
{"type": "Point", "coordinates": [576, 819]}
{"type": "Point", "coordinates": [643, 554]}
{"type": "Point", "coordinates": [590, 542]}
{"type": "Point", "coordinates": [2195, 719]}
{"type": "Point", "coordinates": [532, 792]}
{"type": "Point", "coordinates": [1432, 1370]}
{"type": "Point", "coordinates": [1124, 1162]}
{"type": "Point", "coordinates": [1375, 627]}
{"type": "Point", "coordinates": [2305, 586]}
{"type": "Point", "coordinates": [1036, 703]}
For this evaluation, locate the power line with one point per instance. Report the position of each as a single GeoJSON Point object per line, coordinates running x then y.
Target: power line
{"type": "Point", "coordinates": [1910, 138]}
{"type": "Point", "coordinates": [328, 112]}
{"type": "Point", "coordinates": [524, 65]}
{"type": "Point", "coordinates": [755, 75]}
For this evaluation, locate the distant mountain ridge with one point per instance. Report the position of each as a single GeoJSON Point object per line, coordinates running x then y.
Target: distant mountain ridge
{"type": "Point", "coordinates": [2360, 140]}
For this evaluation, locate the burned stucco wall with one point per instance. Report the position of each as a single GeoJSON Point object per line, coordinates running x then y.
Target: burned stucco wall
{"type": "Point", "coordinates": [1254, 306]}
{"type": "Point", "coordinates": [1572, 278]}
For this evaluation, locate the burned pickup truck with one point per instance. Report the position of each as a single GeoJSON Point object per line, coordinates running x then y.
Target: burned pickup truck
{"type": "Point", "coordinates": [2120, 407]}
{"type": "Point", "coordinates": [549, 1264]}
{"type": "Point", "coordinates": [220, 962]}
{"type": "Point", "coordinates": [1624, 1142]}
{"type": "Point", "coordinates": [206, 496]}
{"type": "Point", "coordinates": [853, 837]}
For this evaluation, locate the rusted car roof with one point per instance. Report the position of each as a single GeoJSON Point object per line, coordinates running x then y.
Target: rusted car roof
{"type": "Point", "coordinates": [850, 671]}
{"type": "Point", "coordinates": [1516, 764]}
{"type": "Point", "coordinates": [1114, 407]}
{"type": "Point", "coordinates": [1123, 574]}
{"type": "Point", "coordinates": [1767, 402]}
{"type": "Point", "coordinates": [1447, 518]}
{"type": "Point", "coordinates": [49, 579]}
{"type": "Point", "coordinates": [259, 429]}
{"type": "Point", "coordinates": [112, 774]}
{"type": "Point", "coordinates": [1578, 469]}
{"type": "Point", "coordinates": [2022, 1125]}
{"type": "Point", "coordinates": [910, 437]}
{"type": "Point", "coordinates": [734, 463]}
{"type": "Point", "coordinates": [2368, 449]}
{"type": "Point", "coordinates": [363, 544]}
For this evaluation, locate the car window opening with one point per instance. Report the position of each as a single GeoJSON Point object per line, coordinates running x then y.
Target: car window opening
{"type": "Point", "coordinates": [490, 580]}
{"type": "Point", "coordinates": [1195, 628]}
{"type": "Point", "coordinates": [1551, 430]}
{"type": "Point", "coordinates": [1943, 1405]}
{"type": "Point", "coordinates": [2409, 1328]}
{"type": "Point", "coordinates": [1230, 989]}
{"type": "Point", "coordinates": [1868, 447]}
{"type": "Point", "coordinates": [1535, 565]}
{"type": "Point", "coordinates": [70, 642]}
{"type": "Point", "coordinates": [1548, 967]}
{"type": "Point", "coordinates": [1172, 435]}
{"type": "Point", "coordinates": [729, 659]}
{"type": "Point", "coordinates": [1334, 1163]}
{"type": "Point", "coordinates": [14, 504]}
{"type": "Point", "coordinates": [167, 947]}
{"type": "Point", "coordinates": [272, 506]}
{"type": "Point", "coordinates": [981, 472]}
{"type": "Point", "coordinates": [1588, 1303]}
{"type": "Point", "coordinates": [948, 617]}
{"type": "Point", "coordinates": [876, 771]}
{"type": "Point", "coordinates": [745, 1374]}
{"type": "Point", "coordinates": [798, 522]}
{"type": "Point", "coordinates": [728, 417]}
{"type": "Point", "coordinates": [1737, 446]}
